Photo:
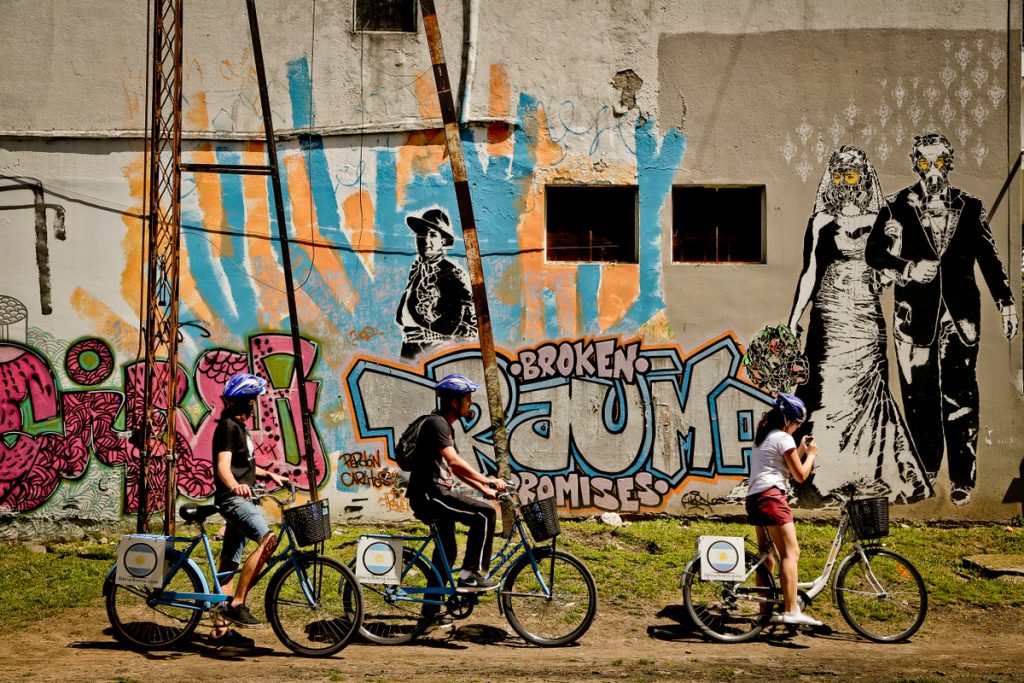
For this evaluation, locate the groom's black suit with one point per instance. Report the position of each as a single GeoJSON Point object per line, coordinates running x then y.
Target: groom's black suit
{"type": "Point", "coordinates": [937, 323]}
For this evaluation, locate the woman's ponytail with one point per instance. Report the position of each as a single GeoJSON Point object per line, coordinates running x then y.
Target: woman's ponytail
{"type": "Point", "coordinates": [771, 420]}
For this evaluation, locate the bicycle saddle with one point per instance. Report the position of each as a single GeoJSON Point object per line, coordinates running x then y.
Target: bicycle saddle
{"type": "Point", "coordinates": [190, 512]}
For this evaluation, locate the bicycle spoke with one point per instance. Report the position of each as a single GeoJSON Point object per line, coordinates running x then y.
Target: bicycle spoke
{"type": "Point", "coordinates": [881, 595]}
{"type": "Point", "coordinates": [553, 604]}
{"type": "Point", "coordinates": [315, 608]}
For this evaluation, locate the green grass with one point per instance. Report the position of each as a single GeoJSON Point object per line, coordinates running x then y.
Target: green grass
{"type": "Point", "coordinates": [636, 567]}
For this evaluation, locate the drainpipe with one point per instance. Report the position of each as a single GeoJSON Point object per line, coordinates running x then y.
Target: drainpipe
{"type": "Point", "coordinates": [470, 29]}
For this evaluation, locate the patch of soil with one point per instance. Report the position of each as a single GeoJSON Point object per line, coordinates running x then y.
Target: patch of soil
{"type": "Point", "coordinates": [953, 645]}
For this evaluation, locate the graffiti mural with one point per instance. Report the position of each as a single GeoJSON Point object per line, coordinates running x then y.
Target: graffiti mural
{"type": "Point", "coordinates": [854, 418]}
{"type": "Point", "coordinates": [928, 237]}
{"type": "Point", "coordinates": [601, 424]}
{"type": "Point", "coordinates": [437, 305]}
{"type": "Point", "coordinates": [48, 435]}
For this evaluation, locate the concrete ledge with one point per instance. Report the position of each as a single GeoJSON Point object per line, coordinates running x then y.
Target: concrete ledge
{"type": "Point", "coordinates": [997, 565]}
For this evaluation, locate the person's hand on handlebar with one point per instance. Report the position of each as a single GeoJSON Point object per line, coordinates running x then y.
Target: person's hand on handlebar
{"type": "Point", "coordinates": [497, 484]}
{"type": "Point", "coordinates": [242, 491]}
{"type": "Point", "coordinates": [277, 478]}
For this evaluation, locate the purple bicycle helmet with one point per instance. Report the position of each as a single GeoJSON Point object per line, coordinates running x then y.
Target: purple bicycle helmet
{"type": "Point", "coordinates": [244, 385]}
{"type": "Point", "coordinates": [791, 407]}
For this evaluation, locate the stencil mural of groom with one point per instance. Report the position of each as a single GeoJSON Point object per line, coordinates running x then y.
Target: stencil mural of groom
{"type": "Point", "coordinates": [927, 239]}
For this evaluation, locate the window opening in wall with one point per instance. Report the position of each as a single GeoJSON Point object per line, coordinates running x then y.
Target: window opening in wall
{"type": "Point", "coordinates": [588, 223]}
{"type": "Point", "coordinates": [718, 224]}
{"type": "Point", "coordinates": [386, 15]}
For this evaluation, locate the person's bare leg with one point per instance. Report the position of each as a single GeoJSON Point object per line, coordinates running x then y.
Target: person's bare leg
{"type": "Point", "coordinates": [220, 624]}
{"type": "Point", "coordinates": [252, 567]}
{"type": "Point", "coordinates": [764, 546]}
{"type": "Point", "coordinates": [784, 538]}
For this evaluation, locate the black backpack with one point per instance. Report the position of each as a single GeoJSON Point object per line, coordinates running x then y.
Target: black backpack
{"type": "Point", "coordinates": [406, 447]}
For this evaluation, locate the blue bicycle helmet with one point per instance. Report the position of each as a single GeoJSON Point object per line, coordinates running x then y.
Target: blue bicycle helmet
{"type": "Point", "coordinates": [791, 407]}
{"type": "Point", "coordinates": [244, 385]}
{"type": "Point", "coordinates": [455, 384]}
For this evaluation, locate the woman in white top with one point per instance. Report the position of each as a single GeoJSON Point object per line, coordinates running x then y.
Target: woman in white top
{"type": "Point", "coordinates": [775, 459]}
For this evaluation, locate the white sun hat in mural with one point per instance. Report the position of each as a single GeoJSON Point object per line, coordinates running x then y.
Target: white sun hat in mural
{"type": "Point", "coordinates": [433, 219]}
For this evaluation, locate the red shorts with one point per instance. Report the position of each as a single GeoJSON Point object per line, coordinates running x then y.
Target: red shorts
{"type": "Point", "coordinates": [769, 508]}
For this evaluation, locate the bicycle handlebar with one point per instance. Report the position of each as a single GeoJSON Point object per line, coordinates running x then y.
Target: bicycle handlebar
{"type": "Point", "coordinates": [510, 494]}
{"type": "Point", "coordinates": [259, 492]}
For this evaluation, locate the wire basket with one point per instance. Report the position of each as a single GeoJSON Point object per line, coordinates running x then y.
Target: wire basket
{"type": "Point", "coordinates": [542, 519]}
{"type": "Point", "coordinates": [870, 517]}
{"type": "Point", "coordinates": [311, 523]}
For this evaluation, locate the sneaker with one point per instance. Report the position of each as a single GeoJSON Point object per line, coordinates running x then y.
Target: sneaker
{"type": "Point", "coordinates": [232, 639]}
{"type": "Point", "coordinates": [798, 619]}
{"type": "Point", "coordinates": [240, 615]}
{"type": "Point", "coordinates": [475, 583]}
{"type": "Point", "coordinates": [776, 618]}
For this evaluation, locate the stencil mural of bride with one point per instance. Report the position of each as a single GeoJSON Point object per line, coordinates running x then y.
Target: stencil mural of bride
{"type": "Point", "coordinates": [853, 416]}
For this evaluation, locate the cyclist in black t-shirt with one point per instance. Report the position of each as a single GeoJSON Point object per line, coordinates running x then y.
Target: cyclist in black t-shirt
{"type": "Point", "coordinates": [430, 493]}
{"type": "Point", "coordinates": [234, 475]}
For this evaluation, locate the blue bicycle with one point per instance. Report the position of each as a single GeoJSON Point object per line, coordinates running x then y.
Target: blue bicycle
{"type": "Point", "coordinates": [547, 595]}
{"type": "Point", "coordinates": [313, 602]}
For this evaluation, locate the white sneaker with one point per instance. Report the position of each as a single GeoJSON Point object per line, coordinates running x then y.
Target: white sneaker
{"type": "Point", "coordinates": [799, 619]}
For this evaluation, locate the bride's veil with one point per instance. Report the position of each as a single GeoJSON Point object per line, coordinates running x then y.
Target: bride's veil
{"type": "Point", "coordinates": [867, 194]}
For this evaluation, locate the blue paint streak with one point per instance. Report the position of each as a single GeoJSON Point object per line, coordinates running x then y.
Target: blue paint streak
{"type": "Point", "coordinates": [243, 289]}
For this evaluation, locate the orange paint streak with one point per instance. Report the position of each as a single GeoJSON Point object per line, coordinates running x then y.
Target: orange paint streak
{"type": "Point", "coordinates": [426, 96]}
{"type": "Point", "coordinates": [499, 135]}
{"type": "Point", "coordinates": [264, 264]}
{"type": "Point", "coordinates": [620, 286]}
{"type": "Point", "coordinates": [326, 261]}
{"type": "Point", "coordinates": [423, 153]}
{"type": "Point", "coordinates": [538, 276]}
{"type": "Point", "coordinates": [544, 150]}
{"type": "Point", "coordinates": [359, 224]}
{"type": "Point", "coordinates": [106, 324]}
{"type": "Point", "coordinates": [209, 194]}
{"type": "Point", "coordinates": [132, 243]}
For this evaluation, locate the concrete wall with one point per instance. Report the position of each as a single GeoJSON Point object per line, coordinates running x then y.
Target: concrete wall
{"type": "Point", "coordinates": [732, 93]}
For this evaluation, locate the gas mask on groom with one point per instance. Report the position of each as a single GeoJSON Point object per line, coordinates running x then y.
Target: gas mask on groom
{"type": "Point", "coordinates": [933, 160]}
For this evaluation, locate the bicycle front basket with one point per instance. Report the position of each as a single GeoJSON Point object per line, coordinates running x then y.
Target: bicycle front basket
{"type": "Point", "coordinates": [542, 518]}
{"type": "Point", "coordinates": [311, 522]}
{"type": "Point", "coordinates": [870, 517]}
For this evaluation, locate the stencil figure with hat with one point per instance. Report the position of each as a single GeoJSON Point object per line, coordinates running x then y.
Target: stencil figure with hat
{"type": "Point", "coordinates": [437, 305]}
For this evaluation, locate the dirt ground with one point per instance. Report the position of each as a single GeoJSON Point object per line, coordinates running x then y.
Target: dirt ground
{"type": "Point", "coordinates": [952, 646]}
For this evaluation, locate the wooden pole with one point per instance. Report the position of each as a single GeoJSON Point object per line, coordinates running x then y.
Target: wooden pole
{"type": "Point", "coordinates": [453, 144]}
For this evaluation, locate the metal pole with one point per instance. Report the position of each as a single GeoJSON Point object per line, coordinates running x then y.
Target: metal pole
{"type": "Point", "coordinates": [163, 229]}
{"type": "Point", "coordinates": [453, 143]}
{"type": "Point", "coordinates": [293, 316]}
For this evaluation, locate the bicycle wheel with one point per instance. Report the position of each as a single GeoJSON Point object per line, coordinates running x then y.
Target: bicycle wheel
{"type": "Point", "coordinates": [561, 614]}
{"type": "Point", "coordinates": [392, 616]}
{"type": "Point", "coordinates": [730, 612]}
{"type": "Point", "coordinates": [883, 599]}
{"type": "Point", "coordinates": [140, 620]}
{"type": "Point", "coordinates": [314, 605]}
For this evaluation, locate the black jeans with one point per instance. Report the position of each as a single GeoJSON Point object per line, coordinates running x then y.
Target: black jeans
{"type": "Point", "coordinates": [443, 508]}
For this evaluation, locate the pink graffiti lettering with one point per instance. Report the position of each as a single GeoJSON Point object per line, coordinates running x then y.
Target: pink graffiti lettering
{"type": "Point", "coordinates": [35, 457]}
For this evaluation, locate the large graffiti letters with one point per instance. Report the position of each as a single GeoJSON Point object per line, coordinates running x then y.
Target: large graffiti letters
{"type": "Point", "coordinates": [624, 433]}
{"type": "Point", "coordinates": [47, 435]}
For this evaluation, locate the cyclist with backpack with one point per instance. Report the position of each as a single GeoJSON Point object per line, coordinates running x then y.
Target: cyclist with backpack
{"type": "Point", "coordinates": [427, 451]}
{"type": "Point", "coordinates": [775, 459]}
